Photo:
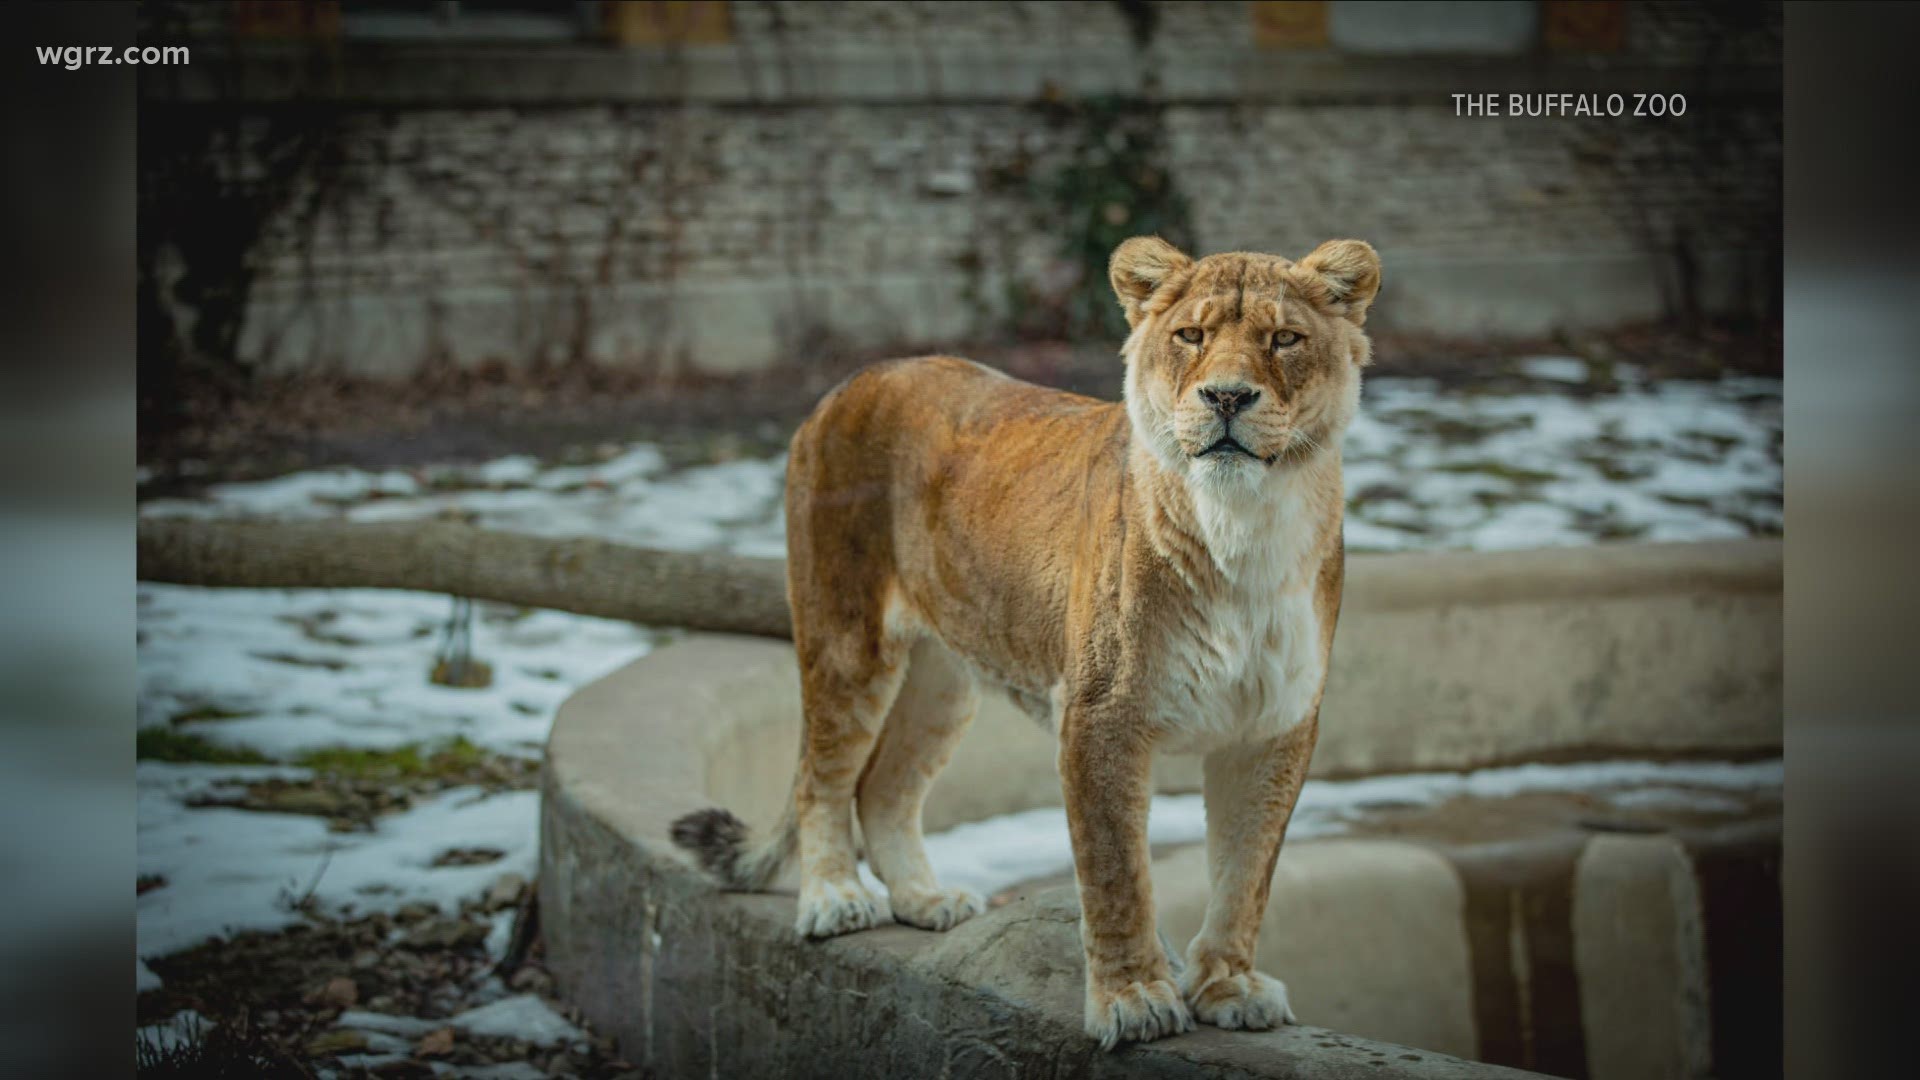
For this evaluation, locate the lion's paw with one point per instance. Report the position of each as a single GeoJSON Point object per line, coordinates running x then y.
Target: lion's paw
{"type": "Point", "coordinates": [829, 908]}
{"type": "Point", "coordinates": [936, 909]}
{"type": "Point", "coordinates": [1136, 1012]}
{"type": "Point", "coordinates": [1250, 1001]}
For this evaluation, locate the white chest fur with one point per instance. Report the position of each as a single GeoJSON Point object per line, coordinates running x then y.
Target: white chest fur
{"type": "Point", "coordinates": [1247, 665]}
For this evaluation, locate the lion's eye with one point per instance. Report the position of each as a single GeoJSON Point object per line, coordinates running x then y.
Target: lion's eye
{"type": "Point", "coordinates": [1285, 338]}
{"type": "Point", "coordinates": [1192, 335]}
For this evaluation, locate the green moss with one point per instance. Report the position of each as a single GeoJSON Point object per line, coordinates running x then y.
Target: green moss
{"type": "Point", "coordinates": [454, 757]}
{"type": "Point", "coordinates": [166, 744]}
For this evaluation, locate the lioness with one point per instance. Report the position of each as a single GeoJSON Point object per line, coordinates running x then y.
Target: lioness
{"type": "Point", "coordinates": [1159, 575]}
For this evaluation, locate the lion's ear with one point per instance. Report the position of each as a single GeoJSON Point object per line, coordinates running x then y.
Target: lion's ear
{"type": "Point", "coordinates": [1138, 267]}
{"type": "Point", "coordinates": [1342, 276]}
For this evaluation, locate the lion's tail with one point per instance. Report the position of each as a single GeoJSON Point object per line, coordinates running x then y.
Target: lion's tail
{"type": "Point", "coordinates": [726, 849]}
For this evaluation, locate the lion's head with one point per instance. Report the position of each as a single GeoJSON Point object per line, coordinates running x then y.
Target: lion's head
{"type": "Point", "coordinates": [1239, 363]}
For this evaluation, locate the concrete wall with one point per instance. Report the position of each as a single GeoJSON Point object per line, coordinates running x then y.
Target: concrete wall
{"type": "Point", "coordinates": [1526, 938]}
{"type": "Point", "coordinates": [834, 176]}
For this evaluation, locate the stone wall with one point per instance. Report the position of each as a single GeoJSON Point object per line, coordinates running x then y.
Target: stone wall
{"type": "Point", "coordinates": [837, 176]}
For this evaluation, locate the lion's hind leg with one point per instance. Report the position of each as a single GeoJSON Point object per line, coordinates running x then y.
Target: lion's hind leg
{"type": "Point", "coordinates": [929, 716]}
{"type": "Point", "coordinates": [848, 681]}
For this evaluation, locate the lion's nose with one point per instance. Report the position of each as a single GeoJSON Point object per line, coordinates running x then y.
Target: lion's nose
{"type": "Point", "coordinates": [1229, 401]}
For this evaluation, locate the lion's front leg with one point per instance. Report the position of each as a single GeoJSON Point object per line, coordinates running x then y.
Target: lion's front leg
{"type": "Point", "coordinates": [1106, 760]}
{"type": "Point", "coordinates": [1249, 794]}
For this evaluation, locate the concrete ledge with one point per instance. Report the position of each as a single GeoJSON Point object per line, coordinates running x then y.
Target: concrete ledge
{"type": "Point", "coordinates": [1442, 662]}
{"type": "Point", "coordinates": [696, 982]}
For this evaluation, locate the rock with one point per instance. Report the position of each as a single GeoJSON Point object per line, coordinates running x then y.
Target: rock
{"type": "Point", "coordinates": [435, 1043]}
{"type": "Point", "coordinates": [532, 980]}
{"type": "Point", "coordinates": [336, 1042]}
{"type": "Point", "coordinates": [337, 993]}
{"type": "Point", "coordinates": [505, 891]}
{"type": "Point", "coordinates": [449, 933]}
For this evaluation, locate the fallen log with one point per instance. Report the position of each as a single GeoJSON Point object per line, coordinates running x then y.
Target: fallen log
{"type": "Point", "coordinates": [697, 590]}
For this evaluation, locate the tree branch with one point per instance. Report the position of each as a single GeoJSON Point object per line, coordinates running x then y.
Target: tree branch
{"type": "Point", "coordinates": [726, 593]}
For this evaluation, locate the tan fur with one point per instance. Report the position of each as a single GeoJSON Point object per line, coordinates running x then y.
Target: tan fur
{"type": "Point", "coordinates": [949, 526]}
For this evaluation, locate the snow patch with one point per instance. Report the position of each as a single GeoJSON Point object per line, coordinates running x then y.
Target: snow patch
{"type": "Point", "coordinates": [387, 1024]}
{"type": "Point", "coordinates": [1566, 369]}
{"type": "Point", "coordinates": [499, 934]}
{"type": "Point", "coordinates": [524, 1016]}
{"type": "Point", "coordinates": [294, 670]}
{"type": "Point", "coordinates": [1676, 799]}
{"type": "Point", "coordinates": [232, 870]}
{"type": "Point", "coordinates": [998, 853]}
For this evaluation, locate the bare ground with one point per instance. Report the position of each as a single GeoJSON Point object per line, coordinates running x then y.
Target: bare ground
{"type": "Point", "coordinates": [273, 1000]}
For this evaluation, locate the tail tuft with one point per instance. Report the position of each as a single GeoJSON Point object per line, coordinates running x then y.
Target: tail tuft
{"type": "Point", "coordinates": [716, 837]}
{"type": "Point", "coordinates": [719, 840]}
